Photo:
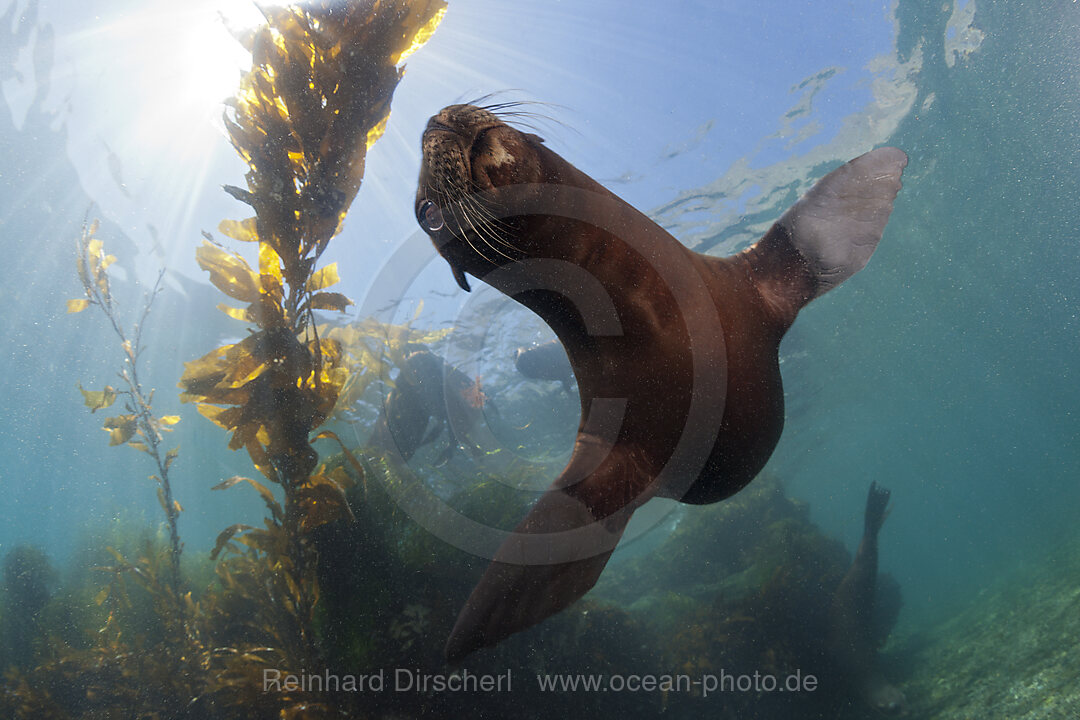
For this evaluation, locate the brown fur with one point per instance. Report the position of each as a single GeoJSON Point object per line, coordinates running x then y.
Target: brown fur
{"type": "Point", "coordinates": [694, 357]}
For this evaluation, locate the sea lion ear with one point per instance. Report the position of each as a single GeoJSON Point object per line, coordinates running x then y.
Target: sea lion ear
{"type": "Point", "coordinates": [534, 137]}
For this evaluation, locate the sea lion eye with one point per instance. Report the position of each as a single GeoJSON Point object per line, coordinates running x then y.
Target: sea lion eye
{"type": "Point", "coordinates": [429, 216]}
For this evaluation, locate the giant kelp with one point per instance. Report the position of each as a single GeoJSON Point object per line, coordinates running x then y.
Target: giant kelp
{"type": "Point", "coordinates": [317, 97]}
{"type": "Point", "coordinates": [147, 628]}
{"type": "Point", "coordinates": [139, 426]}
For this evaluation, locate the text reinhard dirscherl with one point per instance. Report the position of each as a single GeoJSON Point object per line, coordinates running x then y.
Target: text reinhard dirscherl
{"type": "Point", "coordinates": [410, 680]}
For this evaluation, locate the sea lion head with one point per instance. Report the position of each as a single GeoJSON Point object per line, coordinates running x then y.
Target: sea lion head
{"type": "Point", "coordinates": [469, 153]}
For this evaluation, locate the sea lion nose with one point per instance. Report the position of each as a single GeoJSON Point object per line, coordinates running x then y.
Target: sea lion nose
{"type": "Point", "coordinates": [434, 124]}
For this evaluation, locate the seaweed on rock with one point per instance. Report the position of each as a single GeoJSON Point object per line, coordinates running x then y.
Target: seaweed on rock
{"type": "Point", "coordinates": [754, 600]}
{"type": "Point", "coordinates": [27, 586]}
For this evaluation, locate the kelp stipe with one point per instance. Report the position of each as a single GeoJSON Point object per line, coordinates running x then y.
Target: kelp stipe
{"type": "Point", "coordinates": [138, 427]}
{"type": "Point", "coordinates": [317, 97]}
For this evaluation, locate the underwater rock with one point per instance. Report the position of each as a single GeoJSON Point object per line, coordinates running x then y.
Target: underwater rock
{"type": "Point", "coordinates": [1011, 653]}
{"type": "Point", "coordinates": [765, 605]}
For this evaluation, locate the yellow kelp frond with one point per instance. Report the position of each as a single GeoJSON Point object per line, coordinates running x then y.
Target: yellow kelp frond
{"type": "Point", "coordinates": [317, 96]}
{"type": "Point", "coordinates": [323, 278]}
{"type": "Point", "coordinates": [329, 301]}
{"type": "Point", "coordinates": [120, 428]}
{"type": "Point", "coordinates": [242, 230]}
{"type": "Point", "coordinates": [229, 272]}
{"type": "Point", "coordinates": [423, 34]}
{"type": "Point", "coordinates": [98, 399]}
{"type": "Point", "coordinates": [91, 264]}
{"type": "Point", "coordinates": [321, 500]}
{"type": "Point", "coordinates": [376, 132]}
{"type": "Point", "coordinates": [371, 350]}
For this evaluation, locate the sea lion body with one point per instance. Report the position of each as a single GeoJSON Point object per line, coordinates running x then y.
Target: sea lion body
{"type": "Point", "coordinates": [545, 362]}
{"type": "Point", "coordinates": [851, 641]}
{"type": "Point", "coordinates": [694, 360]}
{"type": "Point", "coordinates": [426, 390]}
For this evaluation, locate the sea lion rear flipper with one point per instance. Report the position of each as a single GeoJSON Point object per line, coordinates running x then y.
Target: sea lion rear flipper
{"type": "Point", "coordinates": [833, 230]}
{"type": "Point", "coordinates": [553, 557]}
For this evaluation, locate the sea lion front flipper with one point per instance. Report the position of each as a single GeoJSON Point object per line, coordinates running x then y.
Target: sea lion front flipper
{"type": "Point", "coordinates": [433, 433]}
{"type": "Point", "coordinates": [555, 554]}
{"type": "Point", "coordinates": [877, 509]}
{"type": "Point", "coordinates": [831, 232]}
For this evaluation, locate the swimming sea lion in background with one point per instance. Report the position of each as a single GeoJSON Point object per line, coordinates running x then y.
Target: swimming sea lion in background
{"type": "Point", "coordinates": [545, 362]}
{"type": "Point", "coordinates": [690, 357]}
{"type": "Point", "coordinates": [851, 640]}
{"type": "Point", "coordinates": [426, 389]}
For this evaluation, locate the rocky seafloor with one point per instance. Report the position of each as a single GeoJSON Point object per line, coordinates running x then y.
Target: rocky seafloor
{"type": "Point", "coordinates": [1013, 653]}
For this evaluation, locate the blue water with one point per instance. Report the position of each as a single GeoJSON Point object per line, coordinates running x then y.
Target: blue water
{"type": "Point", "coordinates": [947, 370]}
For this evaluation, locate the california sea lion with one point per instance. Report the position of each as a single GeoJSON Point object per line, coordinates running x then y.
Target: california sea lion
{"type": "Point", "coordinates": [675, 352]}
{"type": "Point", "coordinates": [851, 640]}
{"type": "Point", "coordinates": [427, 389]}
{"type": "Point", "coordinates": [545, 362]}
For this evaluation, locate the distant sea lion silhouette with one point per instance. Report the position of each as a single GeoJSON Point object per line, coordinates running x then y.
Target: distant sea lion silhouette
{"type": "Point", "coordinates": [690, 356]}
{"type": "Point", "coordinates": [427, 389]}
{"type": "Point", "coordinates": [545, 362]}
{"type": "Point", "coordinates": [851, 640]}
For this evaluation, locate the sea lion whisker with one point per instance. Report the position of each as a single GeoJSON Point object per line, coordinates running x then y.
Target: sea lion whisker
{"type": "Point", "coordinates": [479, 233]}
{"type": "Point", "coordinates": [447, 203]}
{"type": "Point", "coordinates": [504, 110]}
{"type": "Point", "coordinates": [510, 109]}
{"type": "Point", "coordinates": [495, 226]}
{"type": "Point", "coordinates": [477, 102]}
{"type": "Point", "coordinates": [517, 118]}
{"type": "Point", "coordinates": [503, 114]}
{"type": "Point", "coordinates": [457, 210]}
{"type": "Point", "coordinates": [498, 108]}
{"type": "Point", "coordinates": [487, 230]}
{"type": "Point", "coordinates": [493, 234]}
